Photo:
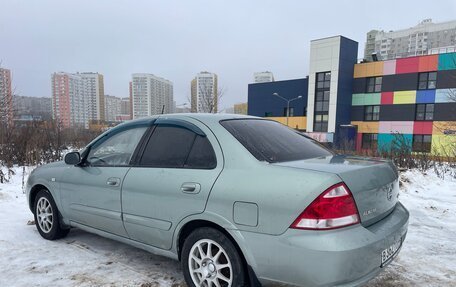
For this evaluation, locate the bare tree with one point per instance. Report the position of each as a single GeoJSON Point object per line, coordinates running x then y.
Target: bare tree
{"type": "Point", "coordinates": [6, 130]}
{"type": "Point", "coordinates": [206, 96]}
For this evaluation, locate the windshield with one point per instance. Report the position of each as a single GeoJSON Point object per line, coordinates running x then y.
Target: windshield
{"type": "Point", "coordinates": [273, 142]}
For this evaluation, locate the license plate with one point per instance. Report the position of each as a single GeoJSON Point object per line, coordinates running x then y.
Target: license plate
{"type": "Point", "coordinates": [389, 253]}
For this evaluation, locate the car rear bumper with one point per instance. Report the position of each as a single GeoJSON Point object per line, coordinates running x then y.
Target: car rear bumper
{"type": "Point", "coordinates": [343, 257]}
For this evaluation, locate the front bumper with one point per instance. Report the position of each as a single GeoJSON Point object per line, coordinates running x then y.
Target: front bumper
{"type": "Point", "coordinates": [343, 257]}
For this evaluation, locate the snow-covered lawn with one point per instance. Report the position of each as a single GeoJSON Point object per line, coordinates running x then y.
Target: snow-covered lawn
{"type": "Point", "coordinates": [428, 256]}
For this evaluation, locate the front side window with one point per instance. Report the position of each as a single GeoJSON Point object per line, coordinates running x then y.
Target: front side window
{"type": "Point", "coordinates": [371, 113]}
{"type": "Point", "coordinates": [369, 141]}
{"type": "Point", "coordinates": [273, 142]}
{"type": "Point", "coordinates": [424, 112]}
{"type": "Point", "coordinates": [117, 149]}
{"type": "Point", "coordinates": [422, 143]}
{"type": "Point", "coordinates": [374, 85]}
{"type": "Point", "coordinates": [427, 81]}
{"type": "Point", "coordinates": [178, 147]}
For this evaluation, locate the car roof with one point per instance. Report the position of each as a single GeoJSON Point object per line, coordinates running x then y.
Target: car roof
{"type": "Point", "coordinates": [203, 117]}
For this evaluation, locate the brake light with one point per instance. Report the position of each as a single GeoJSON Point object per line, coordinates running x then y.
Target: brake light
{"type": "Point", "coordinates": [334, 208]}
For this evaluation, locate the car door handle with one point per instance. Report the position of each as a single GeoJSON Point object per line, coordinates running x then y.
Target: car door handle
{"type": "Point", "coordinates": [190, 187]}
{"type": "Point", "coordinates": [113, 181]}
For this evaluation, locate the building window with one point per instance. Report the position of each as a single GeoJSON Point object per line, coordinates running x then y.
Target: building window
{"type": "Point", "coordinates": [323, 80]}
{"type": "Point", "coordinates": [321, 123]}
{"type": "Point", "coordinates": [422, 143]}
{"type": "Point", "coordinates": [322, 101]}
{"type": "Point", "coordinates": [424, 112]}
{"type": "Point", "coordinates": [369, 141]}
{"type": "Point", "coordinates": [374, 85]}
{"type": "Point", "coordinates": [291, 114]}
{"type": "Point", "coordinates": [427, 81]}
{"type": "Point", "coordinates": [371, 113]}
{"type": "Point", "coordinates": [321, 107]}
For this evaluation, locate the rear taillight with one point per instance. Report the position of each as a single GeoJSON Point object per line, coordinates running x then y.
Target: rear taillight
{"type": "Point", "coordinates": [334, 208]}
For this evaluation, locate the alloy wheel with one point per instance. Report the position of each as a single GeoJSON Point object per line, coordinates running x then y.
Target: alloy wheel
{"type": "Point", "coordinates": [44, 214]}
{"type": "Point", "coordinates": [210, 265]}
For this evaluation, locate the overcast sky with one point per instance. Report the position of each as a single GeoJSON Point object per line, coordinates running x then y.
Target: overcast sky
{"type": "Point", "coordinates": [177, 39]}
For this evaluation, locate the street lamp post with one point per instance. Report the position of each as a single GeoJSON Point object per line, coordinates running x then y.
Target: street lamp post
{"type": "Point", "coordinates": [288, 103]}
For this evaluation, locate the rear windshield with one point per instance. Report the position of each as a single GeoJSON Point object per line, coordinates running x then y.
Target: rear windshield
{"type": "Point", "coordinates": [273, 142]}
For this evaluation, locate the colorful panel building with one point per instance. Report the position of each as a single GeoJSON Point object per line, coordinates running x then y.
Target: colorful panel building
{"type": "Point", "coordinates": [407, 102]}
{"type": "Point", "coordinates": [410, 101]}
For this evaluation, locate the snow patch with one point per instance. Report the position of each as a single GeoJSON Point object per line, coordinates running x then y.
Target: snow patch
{"type": "Point", "coordinates": [427, 258]}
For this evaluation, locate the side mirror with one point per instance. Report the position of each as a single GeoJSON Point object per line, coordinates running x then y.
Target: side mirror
{"type": "Point", "coordinates": [72, 158]}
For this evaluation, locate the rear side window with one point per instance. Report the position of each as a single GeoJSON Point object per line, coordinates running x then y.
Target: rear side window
{"type": "Point", "coordinates": [201, 155]}
{"type": "Point", "coordinates": [273, 142]}
{"type": "Point", "coordinates": [178, 147]}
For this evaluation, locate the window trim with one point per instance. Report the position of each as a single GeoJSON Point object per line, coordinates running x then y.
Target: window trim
{"type": "Point", "coordinates": [188, 126]}
{"type": "Point", "coordinates": [427, 81]}
{"type": "Point", "coordinates": [421, 149]}
{"type": "Point", "coordinates": [373, 107]}
{"type": "Point", "coordinates": [425, 112]}
{"type": "Point", "coordinates": [374, 86]}
{"type": "Point", "coordinates": [109, 134]}
{"type": "Point", "coordinates": [371, 135]}
{"type": "Point", "coordinates": [322, 113]}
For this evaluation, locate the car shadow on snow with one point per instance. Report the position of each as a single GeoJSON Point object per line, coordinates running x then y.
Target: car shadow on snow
{"type": "Point", "coordinates": [157, 270]}
{"type": "Point", "coordinates": [161, 271]}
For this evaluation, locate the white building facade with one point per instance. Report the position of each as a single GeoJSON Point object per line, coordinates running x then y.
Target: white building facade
{"type": "Point", "coordinates": [151, 95]}
{"type": "Point", "coordinates": [330, 81]}
{"type": "Point", "coordinates": [113, 108]}
{"type": "Point", "coordinates": [263, 77]}
{"type": "Point", "coordinates": [204, 91]}
{"type": "Point", "coordinates": [421, 39]}
{"type": "Point", "coordinates": [6, 97]}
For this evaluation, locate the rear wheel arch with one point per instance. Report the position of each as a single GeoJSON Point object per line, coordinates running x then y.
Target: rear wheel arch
{"type": "Point", "coordinates": [192, 225]}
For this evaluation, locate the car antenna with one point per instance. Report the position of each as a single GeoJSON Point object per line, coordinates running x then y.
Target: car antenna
{"type": "Point", "coordinates": [163, 109]}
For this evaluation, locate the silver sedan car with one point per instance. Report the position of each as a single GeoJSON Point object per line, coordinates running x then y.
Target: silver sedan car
{"type": "Point", "coordinates": [240, 201]}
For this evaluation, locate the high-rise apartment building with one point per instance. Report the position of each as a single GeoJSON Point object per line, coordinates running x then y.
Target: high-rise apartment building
{"type": "Point", "coordinates": [125, 107]}
{"type": "Point", "coordinates": [151, 95]}
{"type": "Point", "coordinates": [6, 97]}
{"type": "Point", "coordinates": [93, 84]}
{"type": "Point", "coordinates": [77, 98]}
{"type": "Point", "coordinates": [130, 95]}
{"type": "Point", "coordinates": [423, 39]}
{"type": "Point", "coordinates": [204, 91]}
{"type": "Point", "coordinates": [263, 77]}
{"type": "Point", "coordinates": [113, 107]}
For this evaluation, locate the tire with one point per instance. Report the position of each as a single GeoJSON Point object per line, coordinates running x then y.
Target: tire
{"type": "Point", "coordinates": [47, 217]}
{"type": "Point", "coordinates": [223, 265]}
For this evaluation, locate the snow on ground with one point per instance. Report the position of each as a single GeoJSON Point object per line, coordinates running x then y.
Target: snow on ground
{"type": "Point", "coordinates": [427, 258]}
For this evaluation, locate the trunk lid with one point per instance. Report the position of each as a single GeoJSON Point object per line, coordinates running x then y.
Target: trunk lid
{"type": "Point", "coordinates": [373, 182]}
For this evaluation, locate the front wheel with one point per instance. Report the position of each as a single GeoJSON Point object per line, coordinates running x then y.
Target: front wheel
{"type": "Point", "coordinates": [47, 218]}
{"type": "Point", "coordinates": [209, 259]}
